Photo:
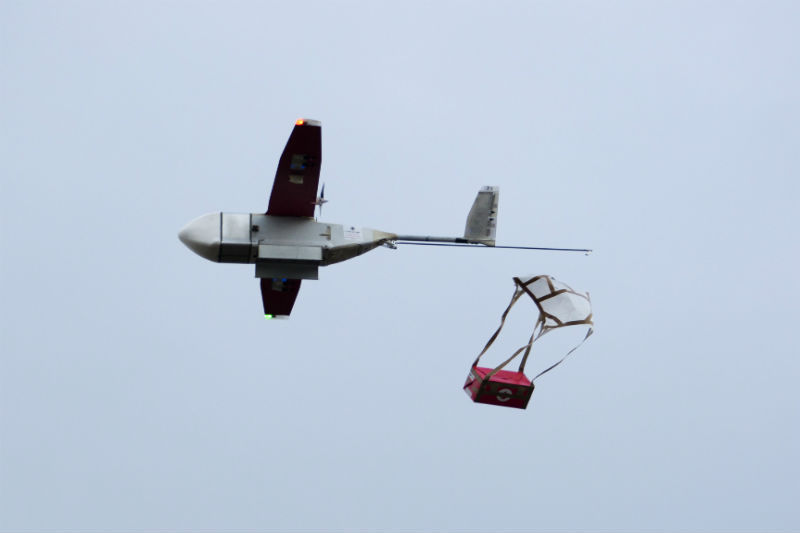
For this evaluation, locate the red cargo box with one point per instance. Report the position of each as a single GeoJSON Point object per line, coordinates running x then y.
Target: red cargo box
{"type": "Point", "coordinates": [506, 388]}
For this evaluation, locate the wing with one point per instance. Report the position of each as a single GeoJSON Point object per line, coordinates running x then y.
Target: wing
{"type": "Point", "coordinates": [278, 296]}
{"type": "Point", "coordinates": [294, 191]}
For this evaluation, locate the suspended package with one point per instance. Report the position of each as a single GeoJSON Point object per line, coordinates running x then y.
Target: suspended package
{"type": "Point", "coordinates": [504, 387]}
{"type": "Point", "coordinates": [559, 306]}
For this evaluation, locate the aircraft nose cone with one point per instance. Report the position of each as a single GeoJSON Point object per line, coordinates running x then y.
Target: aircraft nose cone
{"type": "Point", "coordinates": [202, 236]}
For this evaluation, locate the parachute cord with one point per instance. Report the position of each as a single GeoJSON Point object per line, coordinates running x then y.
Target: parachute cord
{"type": "Point", "coordinates": [491, 340]}
{"type": "Point", "coordinates": [551, 367]}
{"type": "Point", "coordinates": [534, 336]}
{"type": "Point", "coordinates": [504, 363]}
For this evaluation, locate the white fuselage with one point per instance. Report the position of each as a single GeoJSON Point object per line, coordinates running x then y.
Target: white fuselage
{"type": "Point", "coordinates": [281, 247]}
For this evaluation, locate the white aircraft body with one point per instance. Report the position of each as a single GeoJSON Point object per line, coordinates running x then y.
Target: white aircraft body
{"type": "Point", "coordinates": [288, 245]}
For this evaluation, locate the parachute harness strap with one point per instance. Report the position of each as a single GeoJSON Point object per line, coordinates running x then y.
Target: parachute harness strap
{"type": "Point", "coordinates": [543, 315]}
{"type": "Point", "coordinates": [545, 323]}
{"type": "Point", "coordinates": [551, 367]}
{"type": "Point", "coordinates": [491, 340]}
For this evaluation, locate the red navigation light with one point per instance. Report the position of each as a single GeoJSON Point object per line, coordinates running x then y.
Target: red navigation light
{"type": "Point", "coordinates": [299, 122]}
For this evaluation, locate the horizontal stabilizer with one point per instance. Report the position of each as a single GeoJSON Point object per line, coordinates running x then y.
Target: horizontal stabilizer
{"type": "Point", "coordinates": [482, 219]}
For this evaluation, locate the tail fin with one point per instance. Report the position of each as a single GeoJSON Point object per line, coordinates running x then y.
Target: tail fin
{"type": "Point", "coordinates": [482, 219]}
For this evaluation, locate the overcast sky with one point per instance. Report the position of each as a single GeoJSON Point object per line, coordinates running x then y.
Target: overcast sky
{"type": "Point", "coordinates": [141, 388]}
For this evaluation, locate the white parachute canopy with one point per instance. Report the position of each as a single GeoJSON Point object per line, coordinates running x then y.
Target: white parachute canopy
{"type": "Point", "coordinates": [559, 306]}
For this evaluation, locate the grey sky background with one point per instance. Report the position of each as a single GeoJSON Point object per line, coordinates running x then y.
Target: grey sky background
{"type": "Point", "coordinates": [141, 388]}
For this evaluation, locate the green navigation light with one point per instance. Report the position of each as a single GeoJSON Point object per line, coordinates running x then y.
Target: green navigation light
{"type": "Point", "coordinates": [269, 316]}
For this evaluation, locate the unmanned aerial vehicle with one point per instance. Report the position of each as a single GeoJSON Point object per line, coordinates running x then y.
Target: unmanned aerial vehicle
{"type": "Point", "coordinates": [287, 244]}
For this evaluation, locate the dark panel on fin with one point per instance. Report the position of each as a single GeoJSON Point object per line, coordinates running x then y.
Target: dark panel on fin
{"type": "Point", "coordinates": [294, 191]}
{"type": "Point", "coordinates": [278, 296]}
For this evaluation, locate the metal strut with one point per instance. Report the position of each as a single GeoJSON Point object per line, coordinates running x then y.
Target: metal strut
{"type": "Point", "coordinates": [428, 240]}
